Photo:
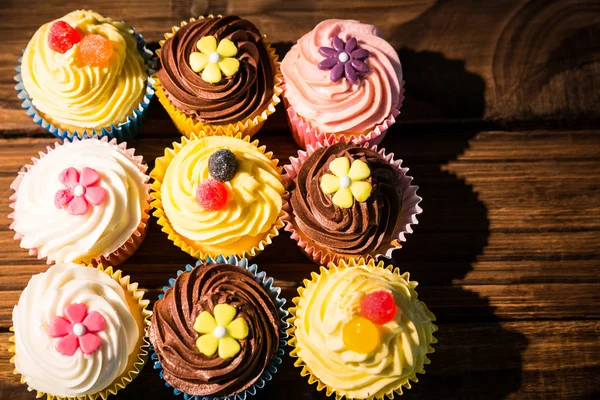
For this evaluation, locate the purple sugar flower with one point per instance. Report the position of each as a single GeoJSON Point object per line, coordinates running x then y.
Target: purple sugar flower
{"type": "Point", "coordinates": [344, 60]}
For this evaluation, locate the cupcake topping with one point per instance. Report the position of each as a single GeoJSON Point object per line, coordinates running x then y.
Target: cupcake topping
{"type": "Point", "coordinates": [347, 182]}
{"type": "Point", "coordinates": [212, 194]}
{"type": "Point", "coordinates": [220, 332]}
{"type": "Point", "coordinates": [95, 51]}
{"type": "Point", "coordinates": [378, 307]}
{"type": "Point", "coordinates": [82, 189]}
{"type": "Point", "coordinates": [77, 331]}
{"type": "Point", "coordinates": [344, 60]}
{"type": "Point", "coordinates": [222, 165]}
{"type": "Point", "coordinates": [361, 335]}
{"type": "Point", "coordinates": [62, 36]}
{"type": "Point", "coordinates": [214, 60]}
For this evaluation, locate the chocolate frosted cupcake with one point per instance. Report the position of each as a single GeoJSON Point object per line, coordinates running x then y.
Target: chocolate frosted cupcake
{"type": "Point", "coordinates": [349, 201]}
{"type": "Point", "coordinates": [216, 332]}
{"type": "Point", "coordinates": [217, 73]}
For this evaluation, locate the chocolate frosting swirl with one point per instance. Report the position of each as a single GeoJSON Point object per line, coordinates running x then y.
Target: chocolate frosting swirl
{"type": "Point", "coordinates": [174, 338]}
{"type": "Point", "coordinates": [360, 229]}
{"type": "Point", "coordinates": [230, 100]}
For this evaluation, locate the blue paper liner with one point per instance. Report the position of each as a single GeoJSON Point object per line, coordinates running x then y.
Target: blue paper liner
{"type": "Point", "coordinates": [123, 131]}
{"type": "Point", "coordinates": [274, 292]}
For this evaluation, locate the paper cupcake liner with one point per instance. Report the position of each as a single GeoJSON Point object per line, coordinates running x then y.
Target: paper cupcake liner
{"type": "Point", "coordinates": [322, 255]}
{"type": "Point", "coordinates": [293, 342]}
{"type": "Point", "coordinates": [185, 244]}
{"type": "Point", "coordinates": [136, 360]}
{"type": "Point", "coordinates": [305, 134]}
{"type": "Point", "coordinates": [123, 131]}
{"type": "Point", "coordinates": [275, 293]}
{"type": "Point", "coordinates": [127, 249]}
{"type": "Point", "coordinates": [248, 126]}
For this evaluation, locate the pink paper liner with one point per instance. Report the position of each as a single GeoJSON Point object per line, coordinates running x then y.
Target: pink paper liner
{"type": "Point", "coordinates": [408, 213]}
{"type": "Point", "coordinates": [127, 249]}
{"type": "Point", "coordinates": [305, 134]}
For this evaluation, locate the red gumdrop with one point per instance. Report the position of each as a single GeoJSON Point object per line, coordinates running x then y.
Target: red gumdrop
{"type": "Point", "coordinates": [62, 37]}
{"type": "Point", "coordinates": [94, 50]}
{"type": "Point", "coordinates": [212, 195]}
{"type": "Point", "coordinates": [378, 307]}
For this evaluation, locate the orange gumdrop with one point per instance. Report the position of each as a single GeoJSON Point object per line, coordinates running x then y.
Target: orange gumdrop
{"type": "Point", "coordinates": [94, 50]}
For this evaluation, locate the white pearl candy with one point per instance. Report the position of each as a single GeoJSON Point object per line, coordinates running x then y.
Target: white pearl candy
{"type": "Point", "coordinates": [214, 57]}
{"type": "Point", "coordinates": [345, 182]}
{"type": "Point", "coordinates": [79, 190]}
{"type": "Point", "coordinates": [79, 330]}
{"type": "Point", "coordinates": [343, 57]}
{"type": "Point", "coordinates": [220, 332]}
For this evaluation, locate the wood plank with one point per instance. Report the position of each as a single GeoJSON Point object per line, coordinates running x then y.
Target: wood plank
{"type": "Point", "coordinates": [508, 62]}
{"type": "Point", "coordinates": [512, 360]}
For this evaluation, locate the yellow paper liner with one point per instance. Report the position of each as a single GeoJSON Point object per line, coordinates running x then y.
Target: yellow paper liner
{"type": "Point", "coordinates": [127, 249]}
{"type": "Point", "coordinates": [248, 126]}
{"type": "Point", "coordinates": [136, 361]}
{"type": "Point", "coordinates": [192, 247]}
{"type": "Point", "coordinates": [293, 342]}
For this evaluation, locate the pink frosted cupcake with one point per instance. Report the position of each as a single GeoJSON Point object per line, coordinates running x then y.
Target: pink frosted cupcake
{"type": "Point", "coordinates": [342, 79]}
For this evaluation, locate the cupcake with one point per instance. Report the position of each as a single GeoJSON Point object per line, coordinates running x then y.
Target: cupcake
{"type": "Point", "coordinates": [218, 195]}
{"type": "Point", "coordinates": [349, 201]}
{"type": "Point", "coordinates": [359, 330]}
{"type": "Point", "coordinates": [218, 330]}
{"type": "Point", "coordinates": [342, 79]}
{"type": "Point", "coordinates": [85, 201]}
{"type": "Point", "coordinates": [83, 75]}
{"type": "Point", "coordinates": [79, 332]}
{"type": "Point", "coordinates": [217, 74]}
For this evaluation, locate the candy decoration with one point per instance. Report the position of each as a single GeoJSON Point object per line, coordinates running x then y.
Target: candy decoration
{"type": "Point", "coordinates": [62, 36]}
{"type": "Point", "coordinates": [95, 51]}
{"type": "Point", "coordinates": [361, 335]}
{"type": "Point", "coordinates": [212, 195]}
{"type": "Point", "coordinates": [82, 190]}
{"type": "Point", "coordinates": [344, 60]}
{"type": "Point", "coordinates": [213, 59]}
{"type": "Point", "coordinates": [347, 182]}
{"type": "Point", "coordinates": [378, 307]}
{"type": "Point", "coordinates": [77, 331]}
{"type": "Point", "coordinates": [222, 165]}
{"type": "Point", "coordinates": [220, 332]}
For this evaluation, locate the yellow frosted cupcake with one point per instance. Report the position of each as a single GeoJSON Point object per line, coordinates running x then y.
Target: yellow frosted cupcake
{"type": "Point", "coordinates": [218, 195]}
{"type": "Point", "coordinates": [79, 332]}
{"type": "Point", "coordinates": [359, 330]}
{"type": "Point", "coordinates": [84, 74]}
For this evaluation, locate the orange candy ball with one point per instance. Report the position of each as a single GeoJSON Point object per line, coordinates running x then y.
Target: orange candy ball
{"type": "Point", "coordinates": [94, 50]}
{"type": "Point", "coordinates": [361, 335]}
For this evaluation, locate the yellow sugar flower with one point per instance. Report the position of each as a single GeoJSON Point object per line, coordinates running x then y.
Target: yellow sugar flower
{"type": "Point", "coordinates": [346, 182]}
{"type": "Point", "coordinates": [220, 332]}
{"type": "Point", "coordinates": [213, 59]}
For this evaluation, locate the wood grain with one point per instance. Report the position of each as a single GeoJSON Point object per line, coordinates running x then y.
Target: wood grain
{"type": "Point", "coordinates": [505, 62]}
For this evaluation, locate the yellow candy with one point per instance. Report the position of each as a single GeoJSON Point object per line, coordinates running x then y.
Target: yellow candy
{"type": "Point", "coordinates": [215, 60]}
{"type": "Point", "coordinates": [340, 166]}
{"type": "Point", "coordinates": [343, 198]}
{"type": "Point", "coordinates": [346, 182]}
{"type": "Point", "coordinates": [227, 48]}
{"type": "Point", "coordinates": [221, 332]}
{"type": "Point", "coordinates": [330, 184]}
{"type": "Point", "coordinates": [359, 170]}
{"type": "Point", "coordinates": [198, 61]}
{"type": "Point", "coordinates": [361, 190]}
{"type": "Point", "coordinates": [361, 335]}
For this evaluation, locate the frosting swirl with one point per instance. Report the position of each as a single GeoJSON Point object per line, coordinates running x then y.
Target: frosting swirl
{"type": "Point", "coordinates": [85, 96]}
{"type": "Point", "coordinates": [45, 297]}
{"type": "Point", "coordinates": [232, 99]}
{"type": "Point", "coordinates": [174, 338]}
{"type": "Point", "coordinates": [340, 106]}
{"type": "Point", "coordinates": [360, 229]}
{"type": "Point", "coordinates": [63, 237]}
{"type": "Point", "coordinates": [334, 299]}
{"type": "Point", "coordinates": [255, 196]}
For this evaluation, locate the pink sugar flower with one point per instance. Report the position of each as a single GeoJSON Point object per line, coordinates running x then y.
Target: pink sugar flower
{"type": "Point", "coordinates": [82, 189]}
{"type": "Point", "coordinates": [77, 331]}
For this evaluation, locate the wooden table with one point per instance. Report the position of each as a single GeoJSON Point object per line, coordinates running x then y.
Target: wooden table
{"type": "Point", "coordinates": [500, 130]}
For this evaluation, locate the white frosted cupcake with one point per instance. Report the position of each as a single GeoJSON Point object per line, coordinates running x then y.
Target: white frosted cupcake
{"type": "Point", "coordinates": [86, 201]}
{"type": "Point", "coordinates": [79, 332]}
